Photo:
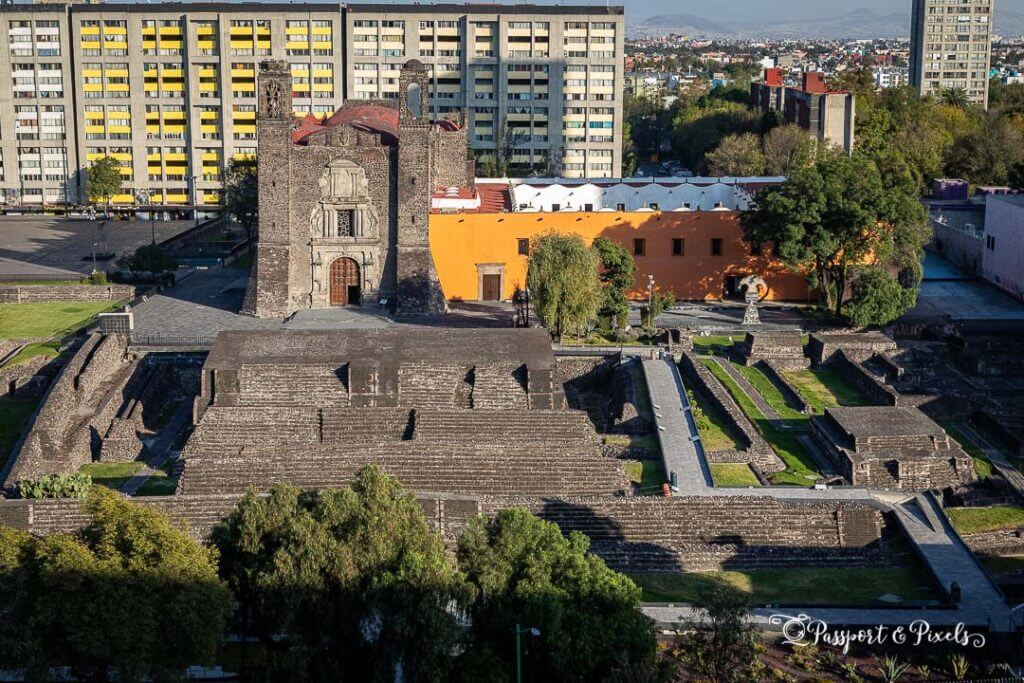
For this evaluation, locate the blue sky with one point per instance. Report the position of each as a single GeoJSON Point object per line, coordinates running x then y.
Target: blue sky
{"type": "Point", "coordinates": [773, 9]}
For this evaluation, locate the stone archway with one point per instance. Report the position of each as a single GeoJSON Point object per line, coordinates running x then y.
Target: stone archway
{"type": "Point", "coordinates": [345, 282]}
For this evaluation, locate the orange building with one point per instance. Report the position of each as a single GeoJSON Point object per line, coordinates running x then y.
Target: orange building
{"type": "Point", "coordinates": [481, 255]}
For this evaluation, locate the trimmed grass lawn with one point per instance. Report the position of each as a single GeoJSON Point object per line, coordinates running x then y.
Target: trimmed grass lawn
{"type": "Point", "coordinates": [160, 484]}
{"type": "Point", "coordinates": [14, 413]}
{"type": "Point", "coordinates": [797, 586]}
{"type": "Point", "coordinates": [708, 344]}
{"type": "Point", "coordinates": [649, 475]}
{"type": "Point", "coordinates": [49, 349]}
{"type": "Point", "coordinates": [113, 475]}
{"type": "Point", "coordinates": [982, 465]}
{"type": "Point", "coordinates": [715, 431]}
{"type": "Point", "coordinates": [974, 520]}
{"type": "Point", "coordinates": [823, 388]}
{"type": "Point", "coordinates": [801, 468]}
{"type": "Point", "coordinates": [770, 393]}
{"type": "Point", "coordinates": [733, 475]}
{"type": "Point", "coordinates": [24, 321]}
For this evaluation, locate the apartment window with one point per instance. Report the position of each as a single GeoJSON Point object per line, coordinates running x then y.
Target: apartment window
{"type": "Point", "coordinates": [621, 206]}
{"type": "Point", "coordinates": [523, 246]}
{"type": "Point", "coordinates": [639, 247]}
{"type": "Point", "coordinates": [716, 246]}
{"type": "Point", "coordinates": [990, 242]}
{"type": "Point", "coordinates": [678, 246]}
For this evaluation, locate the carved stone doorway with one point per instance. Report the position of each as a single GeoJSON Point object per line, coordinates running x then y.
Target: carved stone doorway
{"type": "Point", "coordinates": [345, 282]}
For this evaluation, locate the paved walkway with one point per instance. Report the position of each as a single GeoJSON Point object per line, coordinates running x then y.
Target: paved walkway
{"type": "Point", "coordinates": [677, 433]}
{"type": "Point", "coordinates": [999, 461]}
{"type": "Point", "coordinates": [926, 526]}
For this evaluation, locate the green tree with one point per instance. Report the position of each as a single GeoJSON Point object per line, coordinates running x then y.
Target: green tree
{"type": "Point", "coordinates": [103, 179]}
{"type": "Point", "coordinates": [149, 258]}
{"type": "Point", "coordinates": [830, 218]}
{"type": "Point", "coordinates": [355, 580]}
{"type": "Point", "coordinates": [525, 571]}
{"type": "Point", "coordinates": [954, 97]}
{"type": "Point", "coordinates": [1016, 178]}
{"type": "Point", "coordinates": [718, 644]}
{"type": "Point", "coordinates": [562, 278]}
{"type": "Point", "coordinates": [987, 154]}
{"type": "Point", "coordinates": [241, 195]}
{"type": "Point", "coordinates": [787, 148]}
{"type": "Point", "coordinates": [878, 299]}
{"type": "Point", "coordinates": [699, 127]}
{"type": "Point", "coordinates": [132, 596]}
{"type": "Point", "coordinates": [737, 155]}
{"type": "Point", "coordinates": [617, 272]}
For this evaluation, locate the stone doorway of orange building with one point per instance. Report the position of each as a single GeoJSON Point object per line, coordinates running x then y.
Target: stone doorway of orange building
{"type": "Point", "coordinates": [490, 281]}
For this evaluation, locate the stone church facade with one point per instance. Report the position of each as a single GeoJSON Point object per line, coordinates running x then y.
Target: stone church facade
{"type": "Point", "coordinates": [344, 203]}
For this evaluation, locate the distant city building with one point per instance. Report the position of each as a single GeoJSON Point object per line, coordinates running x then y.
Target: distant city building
{"type": "Point", "coordinates": [828, 114]}
{"type": "Point", "coordinates": [890, 77]}
{"type": "Point", "coordinates": [951, 47]}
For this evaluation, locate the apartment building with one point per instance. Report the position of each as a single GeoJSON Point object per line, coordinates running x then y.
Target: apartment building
{"type": "Point", "coordinates": [38, 161]}
{"type": "Point", "coordinates": [540, 84]}
{"type": "Point", "coordinates": [169, 88]}
{"type": "Point", "coordinates": [830, 115]}
{"type": "Point", "coordinates": [951, 47]}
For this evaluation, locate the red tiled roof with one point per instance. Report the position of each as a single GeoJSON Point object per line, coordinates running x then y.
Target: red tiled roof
{"type": "Point", "coordinates": [494, 197]}
{"type": "Point", "coordinates": [372, 118]}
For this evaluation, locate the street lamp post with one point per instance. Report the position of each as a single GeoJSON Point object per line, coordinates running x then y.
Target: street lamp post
{"type": "Point", "coordinates": [650, 300]}
{"type": "Point", "coordinates": [519, 656]}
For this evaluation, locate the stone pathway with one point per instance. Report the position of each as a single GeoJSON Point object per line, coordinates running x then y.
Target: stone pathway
{"type": "Point", "coordinates": [999, 461]}
{"type": "Point", "coordinates": [926, 527]}
{"type": "Point", "coordinates": [160, 451]}
{"type": "Point", "coordinates": [675, 427]}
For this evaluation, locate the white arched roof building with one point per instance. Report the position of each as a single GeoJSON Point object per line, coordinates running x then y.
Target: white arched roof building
{"type": "Point", "coordinates": [692, 194]}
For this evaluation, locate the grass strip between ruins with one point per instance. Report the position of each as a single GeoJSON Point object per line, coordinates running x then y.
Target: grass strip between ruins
{"type": "Point", "coordinates": [160, 484]}
{"type": "Point", "coordinates": [823, 388]}
{"type": "Point", "coordinates": [47, 349]}
{"type": "Point", "coordinates": [800, 466]}
{"type": "Point", "coordinates": [976, 520]}
{"type": "Point", "coordinates": [797, 586]}
{"type": "Point", "coordinates": [113, 475]}
{"type": "Point", "coordinates": [14, 413]}
{"type": "Point", "coordinates": [48, 319]}
{"type": "Point", "coordinates": [648, 475]}
{"type": "Point", "coordinates": [706, 345]}
{"type": "Point", "coordinates": [715, 431]}
{"type": "Point", "coordinates": [733, 475]}
{"type": "Point", "coordinates": [982, 464]}
{"type": "Point", "coordinates": [770, 393]}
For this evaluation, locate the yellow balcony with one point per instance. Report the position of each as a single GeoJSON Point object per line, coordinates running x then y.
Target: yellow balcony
{"type": "Point", "coordinates": [119, 129]}
{"type": "Point", "coordinates": [92, 73]}
{"type": "Point", "coordinates": [296, 31]}
{"type": "Point", "coordinates": [241, 44]}
{"type": "Point", "coordinates": [297, 45]}
{"type": "Point", "coordinates": [90, 44]}
{"type": "Point", "coordinates": [123, 198]}
{"type": "Point", "coordinates": [210, 128]}
{"type": "Point", "coordinates": [90, 30]}
{"type": "Point", "coordinates": [322, 45]}
{"type": "Point", "coordinates": [210, 156]}
{"type": "Point", "coordinates": [92, 87]}
{"type": "Point", "coordinates": [173, 156]}
{"type": "Point", "coordinates": [123, 157]}
{"type": "Point", "coordinates": [94, 128]}
{"type": "Point", "coordinates": [244, 128]}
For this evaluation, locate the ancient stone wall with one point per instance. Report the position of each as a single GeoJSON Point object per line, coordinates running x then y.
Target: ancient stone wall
{"type": "Point", "coordinates": [775, 373]}
{"type": "Point", "coordinates": [857, 346]}
{"type": "Point", "coordinates": [878, 392]}
{"type": "Point", "coordinates": [638, 534]}
{"type": "Point", "coordinates": [759, 453]}
{"type": "Point", "coordinates": [61, 438]}
{"type": "Point", "coordinates": [450, 167]}
{"type": "Point", "coordinates": [785, 348]}
{"type": "Point", "coordinates": [23, 294]}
